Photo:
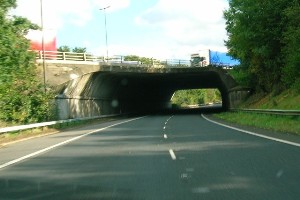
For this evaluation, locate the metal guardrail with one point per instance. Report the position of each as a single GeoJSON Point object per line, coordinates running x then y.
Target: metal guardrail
{"type": "Point", "coordinates": [119, 59]}
{"type": "Point", "coordinates": [45, 124]}
{"type": "Point", "coordinates": [270, 111]}
{"type": "Point", "coordinates": [71, 56]}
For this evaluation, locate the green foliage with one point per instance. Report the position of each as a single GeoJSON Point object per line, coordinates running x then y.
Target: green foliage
{"type": "Point", "coordinates": [22, 98]}
{"type": "Point", "coordinates": [64, 48]}
{"type": "Point", "coordinates": [213, 95]}
{"type": "Point", "coordinates": [76, 52]}
{"type": "Point", "coordinates": [79, 50]}
{"type": "Point", "coordinates": [143, 60]}
{"type": "Point", "coordinates": [287, 100]}
{"type": "Point", "coordinates": [296, 85]}
{"type": "Point", "coordinates": [196, 96]}
{"type": "Point", "coordinates": [241, 75]}
{"type": "Point", "coordinates": [188, 97]}
{"type": "Point", "coordinates": [291, 72]}
{"type": "Point", "coordinates": [25, 102]}
{"type": "Point", "coordinates": [6, 5]}
{"type": "Point", "coordinates": [286, 124]}
{"type": "Point", "coordinates": [259, 31]}
{"type": "Point", "coordinates": [131, 58]}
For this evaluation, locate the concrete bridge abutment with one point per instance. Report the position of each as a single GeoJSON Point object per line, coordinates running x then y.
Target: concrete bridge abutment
{"type": "Point", "coordinates": [94, 90]}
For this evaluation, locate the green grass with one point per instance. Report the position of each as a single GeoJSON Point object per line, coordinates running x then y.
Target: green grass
{"type": "Point", "coordinates": [286, 124]}
{"type": "Point", "coordinates": [287, 100]}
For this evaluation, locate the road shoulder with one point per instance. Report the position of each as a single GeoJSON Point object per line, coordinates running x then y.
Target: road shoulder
{"type": "Point", "coordinates": [265, 132]}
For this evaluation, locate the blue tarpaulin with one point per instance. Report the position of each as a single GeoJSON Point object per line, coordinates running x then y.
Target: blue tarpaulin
{"type": "Point", "coordinates": [221, 58]}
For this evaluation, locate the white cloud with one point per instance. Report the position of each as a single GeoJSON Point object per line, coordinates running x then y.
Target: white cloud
{"type": "Point", "coordinates": [192, 23]}
{"type": "Point", "coordinates": [58, 12]}
{"type": "Point", "coordinates": [181, 27]}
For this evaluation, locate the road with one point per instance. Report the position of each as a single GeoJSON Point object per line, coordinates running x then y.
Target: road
{"type": "Point", "coordinates": [154, 157]}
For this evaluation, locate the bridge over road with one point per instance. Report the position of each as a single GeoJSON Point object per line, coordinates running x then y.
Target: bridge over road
{"type": "Point", "coordinates": [86, 89]}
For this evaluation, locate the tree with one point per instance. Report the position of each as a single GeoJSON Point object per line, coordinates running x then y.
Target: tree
{"type": "Point", "coordinates": [64, 48]}
{"type": "Point", "coordinates": [291, 73]}
{"type": "Point", "coordinates": [255, 30]}
{"type": "Point", "coordinates": [76, 52]}
{"type": "Point", "coordinates": [79, 50]}
{"type": "Point", "coordinates": [196, 96]}
{"type": "Point", "coordinates": [131, 58]}
{"type": "Point", "coordinates": [22, 98]}
{"type": "Point", "coordinates": [143, 60]}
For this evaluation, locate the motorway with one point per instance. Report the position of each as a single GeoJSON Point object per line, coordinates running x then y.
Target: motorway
{"type": "Point", "coordinates": [180, 156]}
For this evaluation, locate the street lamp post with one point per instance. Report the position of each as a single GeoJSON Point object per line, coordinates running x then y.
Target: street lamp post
{"type": "Point", "coordinates": [43, 45]}
{"type": "Point", "coordinates": [104, 10]}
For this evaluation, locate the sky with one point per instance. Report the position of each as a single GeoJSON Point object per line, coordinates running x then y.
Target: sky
{"type": "Point", "coordinates": [162, 29]}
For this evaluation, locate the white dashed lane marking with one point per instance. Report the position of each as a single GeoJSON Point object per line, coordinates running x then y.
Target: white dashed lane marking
{"type": "Point", "coordinates": [173, 156]}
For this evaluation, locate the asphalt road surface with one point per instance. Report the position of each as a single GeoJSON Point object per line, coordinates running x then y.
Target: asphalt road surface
{"type": "Point", "coordinates": [154, 157]}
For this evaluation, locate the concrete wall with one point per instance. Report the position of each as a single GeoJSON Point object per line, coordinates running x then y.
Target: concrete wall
{"type": "Point", "coordinates": [70, 108]}
{"type": "Point", "coordinates": [86, 96]}
{"type": "Point", "coordinates": [237, 96]}
{"type": "Point", "coordinates": [59, 71]}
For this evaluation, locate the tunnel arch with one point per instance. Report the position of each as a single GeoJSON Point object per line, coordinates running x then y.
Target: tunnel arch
{"type": "Point", "coordinates": [108, 92]}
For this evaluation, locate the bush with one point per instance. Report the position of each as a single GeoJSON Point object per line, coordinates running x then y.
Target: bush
{"type": "Point", "coordinates": [22, 96]}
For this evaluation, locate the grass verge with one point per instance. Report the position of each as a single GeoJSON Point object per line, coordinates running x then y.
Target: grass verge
{"type": "Point", "coordinates": [285, 124]}
{"type": "Point", "coordinates": [287, 100]}
{"type": "Point", "coordinates": [21, 135]}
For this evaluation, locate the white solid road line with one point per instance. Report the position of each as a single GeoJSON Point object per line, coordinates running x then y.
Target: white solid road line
{"type": "Point", "coordinates": [61, 143]}
{"type": "Point", "coordinates": [173, 156]}
{"type": "Point", "coordinates": [170, 117]}
{"type": "Point", "coordinates": [252, 133]}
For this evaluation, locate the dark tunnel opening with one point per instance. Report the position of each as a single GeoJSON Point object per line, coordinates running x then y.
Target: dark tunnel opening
{"type": "Point", "coordinates": [152, 93]}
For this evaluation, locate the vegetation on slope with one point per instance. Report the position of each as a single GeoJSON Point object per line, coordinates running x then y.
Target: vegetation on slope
{"type": "Point", "coordinates": [288, 100]}
{"type": "Point", "coordinates": [265, 37]}
{"type": "Point", "coordinates": [286, 124]}
{"type": "Point", "coordinates": [22, 96]}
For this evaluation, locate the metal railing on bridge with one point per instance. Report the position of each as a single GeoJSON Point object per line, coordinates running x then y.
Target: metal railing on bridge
{"type": "Point", "coordinates": [269, 111]}
{"type": "Point", "coordinates": [88, 57]}
{"type": "Point", "coordinates": [70, 56]}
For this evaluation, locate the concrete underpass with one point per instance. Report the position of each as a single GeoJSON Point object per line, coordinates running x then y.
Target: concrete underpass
{"type": "Point", "coordinates": [143, 92]}
{"type": "Point", "coordinates": [113, 89]}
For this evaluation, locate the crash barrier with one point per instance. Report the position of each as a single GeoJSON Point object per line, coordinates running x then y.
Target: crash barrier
{"type": "Point", "coordinates": [45, 124]}
{"type": "Point", "coordinates": [88, 57]}
{"type": "Point", "coordinates": [270, 111]}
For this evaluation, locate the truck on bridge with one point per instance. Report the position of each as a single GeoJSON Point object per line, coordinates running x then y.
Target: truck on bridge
{"type": "Point", "coordinates": [207, 57]}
